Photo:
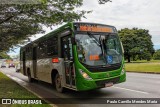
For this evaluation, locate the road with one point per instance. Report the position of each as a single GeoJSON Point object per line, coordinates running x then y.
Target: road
{"type": "Point", "coordinates": [138, 85]}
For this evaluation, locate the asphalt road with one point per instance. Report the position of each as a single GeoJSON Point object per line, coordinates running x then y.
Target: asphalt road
{"type": "Point", "coordinates": [138, 85]}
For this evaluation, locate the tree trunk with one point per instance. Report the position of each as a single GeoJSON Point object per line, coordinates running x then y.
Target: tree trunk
{"type": "Point", "coordinates": [128, 57]}
{"type": "Point", "coordinates": [133, 57]}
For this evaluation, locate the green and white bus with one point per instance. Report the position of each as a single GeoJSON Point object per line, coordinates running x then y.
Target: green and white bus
{"type": "Point", "coordinates": [79, 56]}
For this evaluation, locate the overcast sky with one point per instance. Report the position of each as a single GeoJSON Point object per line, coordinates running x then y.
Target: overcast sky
{"type": "Point", "coordinates": [126, 13]}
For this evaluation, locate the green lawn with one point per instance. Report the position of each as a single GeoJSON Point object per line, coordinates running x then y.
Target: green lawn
{"type": "Point", "coordinates": [144, 66]}
{"type": "Point", "coordinates": [144, 61]}
{"type": "Point", "coordinates": [11, 89]}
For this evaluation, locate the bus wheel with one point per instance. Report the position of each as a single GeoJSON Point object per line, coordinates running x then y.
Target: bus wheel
{"type": "Point", "coordinates": [58, 84]}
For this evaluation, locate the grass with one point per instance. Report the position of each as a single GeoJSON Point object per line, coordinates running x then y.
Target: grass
{"type": "Point", "coordinates": [144, 66]}
{"type": "Point", "coordinates": [144, 61]}
{"type": "Point", "coordinates": [11, 89]}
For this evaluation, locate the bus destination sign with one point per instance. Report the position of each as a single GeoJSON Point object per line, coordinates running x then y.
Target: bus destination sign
{"type": "Point", "coordinates": [95, 28]}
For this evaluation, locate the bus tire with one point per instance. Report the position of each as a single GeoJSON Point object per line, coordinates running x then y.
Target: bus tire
{"type": "Point", "coordinates": [58, 84]}
{"type": "Point", "coordinates": [30, 79]}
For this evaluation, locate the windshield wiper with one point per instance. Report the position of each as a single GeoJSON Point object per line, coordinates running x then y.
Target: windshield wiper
{"type": "Point", "coordinates": [104, 47]}
{"type": "Point", "coordinates": [101, 44]}
{"type": "Point", "coordinates": [95, 39]}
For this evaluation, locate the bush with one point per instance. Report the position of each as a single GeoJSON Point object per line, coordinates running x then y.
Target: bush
{"type": "Point", "coordinates": [146, 56]}
{"type": "Point", "coordinates": [156, 55]}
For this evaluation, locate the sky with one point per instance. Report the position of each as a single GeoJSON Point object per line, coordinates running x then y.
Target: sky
{"type": "Point", "coordinates": [143, 14]}
{"type": "Point", "coordinates": [127, 14]}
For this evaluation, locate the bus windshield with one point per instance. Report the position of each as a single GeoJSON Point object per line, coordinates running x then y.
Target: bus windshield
{"type": "Point", "coordinates": [97, 50]}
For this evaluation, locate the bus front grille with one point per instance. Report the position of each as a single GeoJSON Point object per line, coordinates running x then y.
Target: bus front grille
{"type": "Point", "coordinates": [103, 82]}
{"type": "Point", "coordinates": [103, 69]}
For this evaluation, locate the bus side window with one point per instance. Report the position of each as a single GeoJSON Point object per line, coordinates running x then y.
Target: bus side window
{"type": "Point", "coordinates": [42, 49]}
{"type": "Point", "coordinates": [52, 46]}
{"type": "Point", "coordinates": [28, 53]}
{"type": "Point", "coordinates": [66, 55]}
{"type": "Point", "coordinates": [67, 48]}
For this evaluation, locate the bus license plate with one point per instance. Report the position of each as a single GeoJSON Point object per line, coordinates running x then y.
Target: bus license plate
{"type": "Point", "coordinates": [109, 84]}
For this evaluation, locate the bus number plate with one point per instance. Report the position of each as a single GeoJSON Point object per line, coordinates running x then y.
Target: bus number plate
{"type": "Point", "coordinates": [109, 84]}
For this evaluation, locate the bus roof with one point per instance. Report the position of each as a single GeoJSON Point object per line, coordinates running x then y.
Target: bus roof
{"type": "Point", "coordinates": [67, 25]}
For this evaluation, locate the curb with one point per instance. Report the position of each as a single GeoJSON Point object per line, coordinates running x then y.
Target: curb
{"type": "Point", "coordinates": [143, 72]}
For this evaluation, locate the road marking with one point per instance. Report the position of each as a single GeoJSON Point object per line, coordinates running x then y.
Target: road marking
{"type": "Point", "coordinates": [131, 90]}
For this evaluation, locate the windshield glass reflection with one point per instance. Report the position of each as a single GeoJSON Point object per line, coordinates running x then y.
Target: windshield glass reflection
{"type": "Point", "coordinates": [95, 50]}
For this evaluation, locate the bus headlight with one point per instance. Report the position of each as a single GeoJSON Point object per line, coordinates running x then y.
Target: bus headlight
{"type": "Point", "coordinates": [123, 70]}
{"type": "Point", "coordinates": [85, 75]}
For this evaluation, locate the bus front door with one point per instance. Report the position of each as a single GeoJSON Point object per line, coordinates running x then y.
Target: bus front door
{"type": "Point", "coordinates": [67, 54]}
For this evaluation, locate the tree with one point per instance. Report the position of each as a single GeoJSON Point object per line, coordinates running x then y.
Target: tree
{"type": "Point", "coordinates": [156, 55]}
{"type": "Point", "coordinates": [20, 21]}
{"type": "Point", "coordinates": [136, 42]}
{"type": "Point", "coordinates": [104, 1]}
{"type": "Point", "coordinates": [146, 56]}
{"type": "Point", "coordinates": [3, 55]}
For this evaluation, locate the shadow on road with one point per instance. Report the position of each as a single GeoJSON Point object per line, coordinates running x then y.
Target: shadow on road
{"type": "Point", "coordinates": [96, 93]}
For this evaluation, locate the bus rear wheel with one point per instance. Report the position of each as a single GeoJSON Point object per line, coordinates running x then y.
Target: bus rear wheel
{"type": "Point", "coordinates": [58, 83]}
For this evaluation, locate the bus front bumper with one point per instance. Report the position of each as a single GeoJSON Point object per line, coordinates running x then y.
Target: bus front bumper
{"type": "Point", "coordinates": [83, 84]}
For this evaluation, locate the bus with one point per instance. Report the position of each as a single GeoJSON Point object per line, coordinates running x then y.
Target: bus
{"type": "Point", "coordinates": [79, 56]}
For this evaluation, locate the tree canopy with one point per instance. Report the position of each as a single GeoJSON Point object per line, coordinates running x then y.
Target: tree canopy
{"type": "Point", "coordinates": [3, 55]}
{"type": "Point", "coordinates": [136, 42]}
{"type": "Point", "coordinates": [104, 1]}
{"type": "Point", "coordinates": [20, 21]}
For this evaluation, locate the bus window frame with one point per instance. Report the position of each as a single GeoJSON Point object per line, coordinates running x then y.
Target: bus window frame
{"type": "Point", "coordinates": [64, 33]}
{"type": "Point", "coordinates": [118, 65]}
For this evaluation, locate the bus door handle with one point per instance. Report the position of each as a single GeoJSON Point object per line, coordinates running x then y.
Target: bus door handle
{"type": "Point", "coordinates": [69, 62]}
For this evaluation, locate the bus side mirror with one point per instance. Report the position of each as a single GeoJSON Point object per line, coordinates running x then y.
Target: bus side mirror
{"type": "Point", "coordinates": [73, 41]}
